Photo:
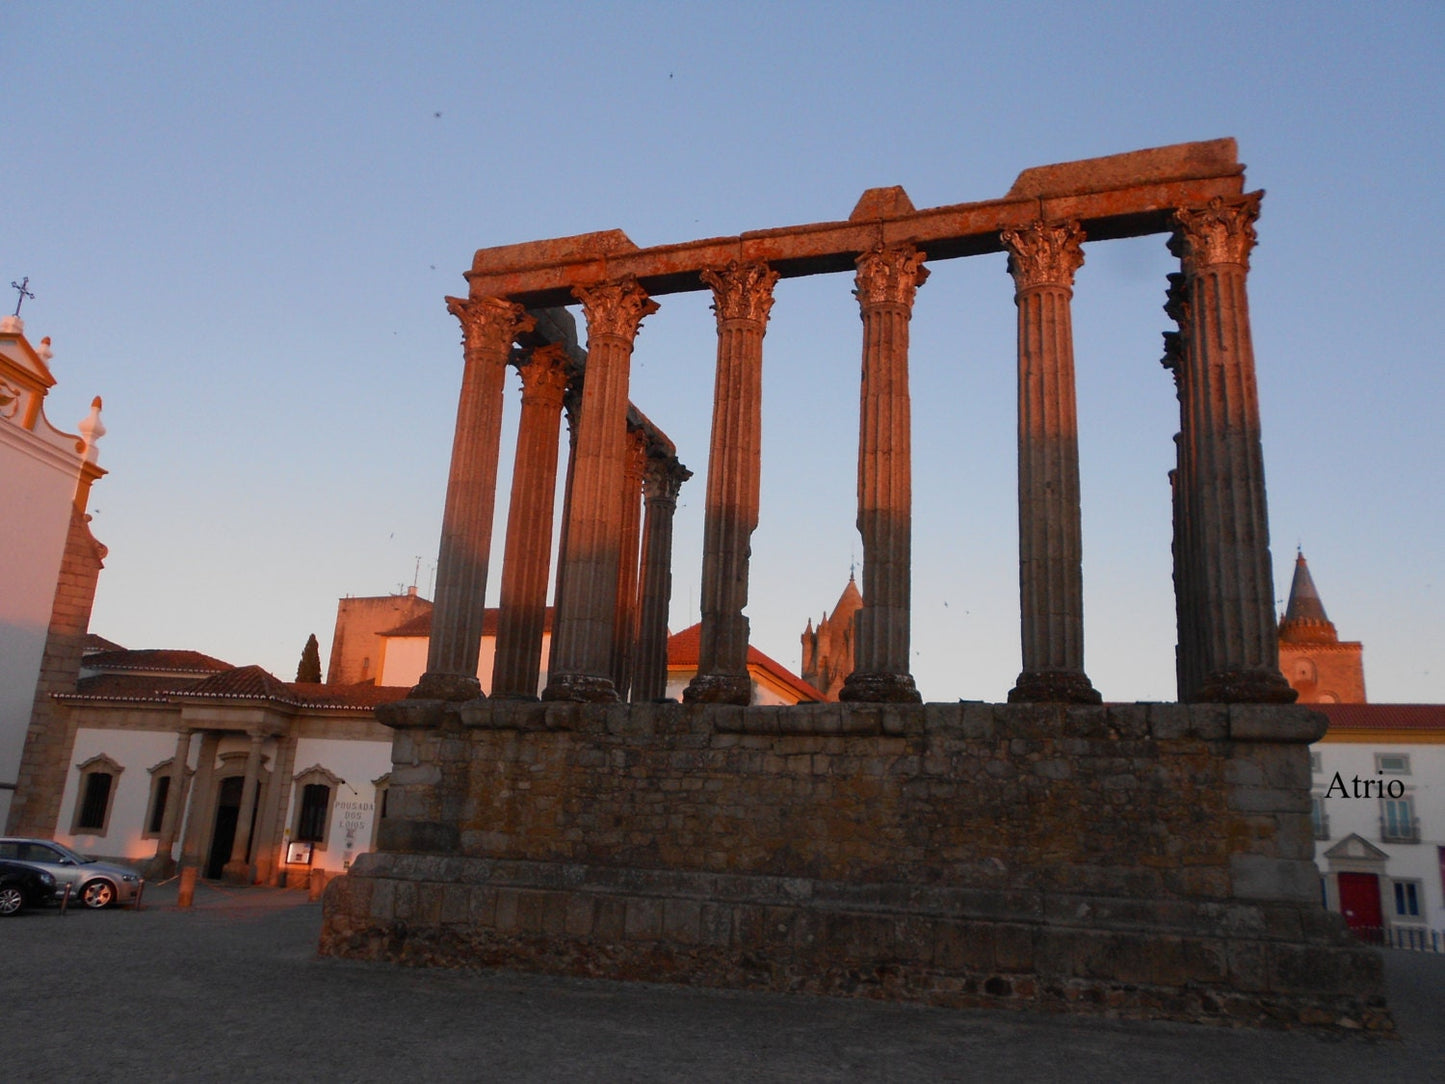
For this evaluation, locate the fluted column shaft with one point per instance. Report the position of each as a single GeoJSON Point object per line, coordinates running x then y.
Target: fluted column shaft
{"type": "Point", "coordinates": [886, 284]}
{"type": "Point", "coordinates": [527, 561]}
{"type": "Point", "coordinates": [239, 868]}
{"type": "Point", "coordinates": [489, 325]}
{"type": "Point", "coordinates": [1183, 486]}
{"type": "Point", "coordinates": [661, 482]}
{"type": "Point", "coordinates": [742, 299]}
{"type": "Point", "coordinates": [572, 409]}
{"type": "Point", "coordinates": [1228, 515]}
{"type": "Point", "coordinates": [624, 625]}
{"type": "Point", "coordinates": [1042, 260]}
{"type": "Point", "coordinates": [583, 627]}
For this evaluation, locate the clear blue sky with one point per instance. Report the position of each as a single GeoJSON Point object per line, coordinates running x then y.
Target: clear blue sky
{"type": "Point", "coordinates": [240, 221]}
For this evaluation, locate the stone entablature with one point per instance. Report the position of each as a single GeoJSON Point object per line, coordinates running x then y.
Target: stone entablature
{"type": "Point", "coordinates": [1148, 860]}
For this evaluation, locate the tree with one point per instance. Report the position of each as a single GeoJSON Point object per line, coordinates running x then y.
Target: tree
{"type": "Point", "coordinates": [310, 666]}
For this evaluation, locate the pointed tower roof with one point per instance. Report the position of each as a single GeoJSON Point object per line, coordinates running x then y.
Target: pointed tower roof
{"type": "Point", "coordinates": [850, 600]}
{"type": "Point", "coordinates": [1304, 619]}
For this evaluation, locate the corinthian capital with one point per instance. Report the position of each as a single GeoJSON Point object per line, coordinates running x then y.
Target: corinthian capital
{"type": "Point", "coordinates": [663, 477]}
{"type": "Point", "coordinates": [741, 291]}
{"type": "Point", "coordinates": [545, 374]}
{"type": "Point", "coordinates": [615, 308]}
{"type": "Point", "coordinates": [1220, 233]}
{"type": "Point", "coordinates": [1044, 254]}
{"type": "Point", "coordinates": [489, 324]}
{"type": "Point", "coordinates": [889, 276]}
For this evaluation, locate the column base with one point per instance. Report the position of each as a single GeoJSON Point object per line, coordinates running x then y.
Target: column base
{"type": "Point", "coordinates": [719, 689]}
{"type": "Point", "coordinates": [879, 689]}
{"type": "Point", "coordinates": [1245, 687]}
{"type": "Point", "coordinates": [438, 686]}
{"type": "Point", "coordinates": [237, 873]}
{"type": "Point", "coordinates": [1054, 687]}
{"type": "Point", "coordinates": [580, 688]}
{"type": "Point", "coordinates": [159, 868]}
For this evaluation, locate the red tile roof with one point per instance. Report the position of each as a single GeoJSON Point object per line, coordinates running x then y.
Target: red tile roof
{"type": "Point", "coordinates": [95, 642]}
{"type": "Point", "coordinates": [684, 649]}
{"type": "Point", "coordinates": [171, 661]}
{"type": "Point", "coordinates": [420, 625]}
{"type": "Point", "coordinates": [150, 687]}
{"type": "Point", "coordinates": [1383, 716]}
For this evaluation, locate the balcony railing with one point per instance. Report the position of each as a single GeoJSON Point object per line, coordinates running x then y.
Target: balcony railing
{"type": "Point", "coordinates": [1397, 830]}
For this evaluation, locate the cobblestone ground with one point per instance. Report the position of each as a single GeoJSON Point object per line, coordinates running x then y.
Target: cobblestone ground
{"type": "Point", "coordinates": [232, 990]}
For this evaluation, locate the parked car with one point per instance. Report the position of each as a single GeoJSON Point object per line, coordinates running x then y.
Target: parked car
{"type": "Point", "coordinates": [24, 886]}
{"type": "Point", "coordinates": [93, 883]}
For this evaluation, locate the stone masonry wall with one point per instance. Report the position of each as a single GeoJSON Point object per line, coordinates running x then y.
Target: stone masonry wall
{"type": "Point", "coordinates": [1141, 859]}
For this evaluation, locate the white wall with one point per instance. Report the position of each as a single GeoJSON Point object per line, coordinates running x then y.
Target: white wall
{"type": "Point", "coordinates": [136, 751]}
{"type": "Point", "coordinates": [353, 810]}
{"type": "Point", "coordinates": [404, 661]}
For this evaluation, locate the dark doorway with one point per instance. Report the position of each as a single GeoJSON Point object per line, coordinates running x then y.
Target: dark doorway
{"type": "Point", "coordinates": [1360, 901]}
{"type": "Point", "coordinates": [228, 816]}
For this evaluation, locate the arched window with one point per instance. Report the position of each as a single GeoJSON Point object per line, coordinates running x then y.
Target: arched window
{"type": "Point", "coordinates": [93, 800]}
{"type": "Point", "coordinates": [161, 798]}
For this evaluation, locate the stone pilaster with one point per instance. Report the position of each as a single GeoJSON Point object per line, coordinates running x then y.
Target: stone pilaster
{"type": "Point", "coordinates": [887, 282]}
{"type": "Point", "coordinates": [582, 630]}
{"type": "Point", "coordinates": [624, 626]}
{"type": "Point", "coordinates": [528, 558]}
{"type": "Point", "coordinates": [1230, 567]}
{"type": "Point", "coordinates": [1042, 260]}
{"type": "Point", "coordinates": [661, 482]}
{"type": "Point", "coordinates": [163, 864]}
{"type": "Point", "coordinates": [742, 299]}
{"type": "Point", "coordinates": [195, 840]}
{"type": "Point", "coordinates": [238, 869]}
{"type": "Point", "coordinates": [489, 327]}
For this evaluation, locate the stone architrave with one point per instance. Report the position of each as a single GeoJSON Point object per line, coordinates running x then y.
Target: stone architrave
{"type": "Point", "coordinates": [661, 482]}
{"type": "Point", "coordinates": [582, 629]}
{"type": "Point", "coordinates": [490, 326]}
{"type": "Point", "coordinates": [1042, 261]}
{"type": "Point", "coordinates": [527, 561]}
{"type": "Point", "coordinates": [238, 869]}
{"type": "Point", "coordinates": [624, 627]}
{"type": "Point", "coordinates": [1230, 568]}
{"type": "Point", "coordinates": [887, 281]}
{"type": "Point", "coordinates": [742, 299]}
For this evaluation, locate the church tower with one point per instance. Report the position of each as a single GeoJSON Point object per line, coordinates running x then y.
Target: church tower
{"type": "Point", "coordinates": [1321, 668]}
{"type": "Point", "coordinates": [828, 649]}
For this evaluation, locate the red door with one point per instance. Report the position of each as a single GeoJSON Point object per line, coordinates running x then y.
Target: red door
{"type": "Point", "coordinates": [1360, 900]}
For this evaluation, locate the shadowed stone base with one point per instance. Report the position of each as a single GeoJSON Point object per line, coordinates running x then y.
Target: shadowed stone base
{"type": "Point", "coordinates": [413, 714]}
{"type": "Point", "coordinates": [1245, 687]}
{"type": "Point", "coordinates": [437, 686]}
{"type": "Point", "coordinates": [719, 689]}
{"type": "Point", "coordinates": [580, 688]}
{"type": "Point", "coordinates": [1054, 687]}
{"type": "Point", "coordinates": [418, 837]}
{"type": "Point", "coordinates": [880, 689]}
{"type": "Point", "coordinates": [237, 873]}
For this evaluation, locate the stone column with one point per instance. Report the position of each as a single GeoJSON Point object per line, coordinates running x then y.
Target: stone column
{"type": "Point", "coordinates": [238, 869]}
{"type": "Point", "coordinates": [1042, 260]}
{"type": "Point", "coordinates": [572, 408]}
{"type": "Point", "coordinates": [582, 630]}
{"type": "Point", "coordinates": [164, 862]}
{"type": "Point", "coordinates": [202, 817]}
{"type": "Point", "coordinates": [528, 558]}
{"type": "Point", "coordinates": [1182, 487]}
{"type": "Point", "coordinates": [661, 482]}
{"type": "Point", "coordinates": [624, 626]}
{"type": "Point", "coordinates": [742, 299]}
{"type": "Point", "coordinates": [489, 326]}
{"type": "Point", "coordinates": [887, 281]}
{"type": "Point", "coordinates": [1228, 517]}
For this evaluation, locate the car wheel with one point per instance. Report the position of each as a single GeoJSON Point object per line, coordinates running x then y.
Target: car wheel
{"type": "Point", "coordinates": [11, 900]}
{"type": "Point", "coordinates": [98, 894]}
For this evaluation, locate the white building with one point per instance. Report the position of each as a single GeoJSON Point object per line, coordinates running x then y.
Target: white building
{"type": "Point", "coordinates": [45, 479]}
{"type": "Point", "coordinates": [1378, 791]}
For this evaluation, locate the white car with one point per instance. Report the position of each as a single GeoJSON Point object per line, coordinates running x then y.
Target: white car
{"type": "Point", "coordinates": [95, 884]}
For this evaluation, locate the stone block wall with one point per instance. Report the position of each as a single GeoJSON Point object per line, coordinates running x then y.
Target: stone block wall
{"type": "Point", "coordinates": [1148, 860]}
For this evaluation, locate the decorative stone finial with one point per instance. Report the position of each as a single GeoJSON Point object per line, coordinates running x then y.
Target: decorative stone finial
{"type": "Point", "coordinates": [91, 430]}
